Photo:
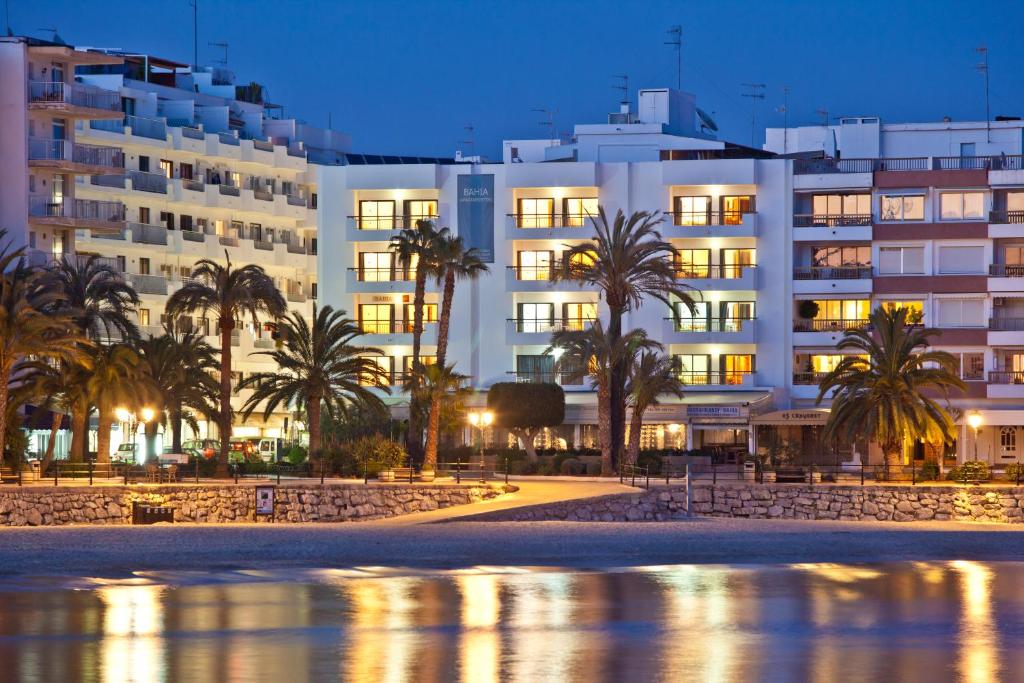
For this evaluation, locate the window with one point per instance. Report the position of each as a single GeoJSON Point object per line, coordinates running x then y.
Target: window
{"type": "Point", "coordinates": [144, 214]}
{"type": "Point", "coordinates": [692, 210]}
{"type": "Point", "coordinates": [1008, 441]}
{"type": "Point", "coordinates": [578, 209]}
{"type": "Point", "coordinates": [377, 215]}
{"type": "Point", "coordinates": [535, 317]}
{"type": "Point", "coordinates": [694, 368]}
{"type": "Point", "coordinates": [695, 320]}
{"type": "Point", "coordinates": [31, 183]}
{"type": "Point", "coordinates": [1013, 260]}
{"type": "Point", "coordinates": [843, 309]}
{"type": "Point", "coordinates": [375, 266]}
{"type": "Point", "coordinates": [59, 128]}
{"type": "Point", "coordinates": [825, 362]}
{"type": "Point", "coordinates": [578, 316]}
{"type": "Point", "coordinates": [961, 312]}
{"type": "Point", "coordinates": [535, 265]}
{"type": "Point", "coordinates": [733, 208]}
{"type": "Point", "coordinates": [916, 309]}
{"type": "Point", "coordinates": [967, 149]}
{"type": "Point", "coordinates": [838, 206]}
{"type": "Point", "coordinates": [841, 256]}
{"type": "Point", "coordinates": [185, 223]}
{"type": "Point", "coordinates": [536, 213]}
{"type": "Point", "coordinates": [167, 168]}
{"type": "Point", "coordinates": [167, 219]}
{"type": "Point", "coordinates": [960, 206]}
{"type": "Point", "coordinates": [901, 261]}
{"type": "Point", "coordinates": [144, 163]}
{"type": "Point", "coordinates": [734, 261]}
{"type": "Point", "coordinates": [386, 364]}
{"type": "Point", "coordinates": [185, 171]}
{"type": "Point", "coordinates": [424, 360]}
{"type": "Point", "coordinates": [734, 313]}
{"type": "Point", "coordinates": [32, 239]}
{"type": "Point", "coordinates": [971, 365]}
{"type": "Point", "coordinates": [204, 325]}
{"type": "Point", "coordinates": [312, 291]}
{"type": "Point", "coordinates": [144, 317]}
{"type": "Point", "coordinates": [902, 207]}
{"type": "Point", "coordinates": [735, 366]}
{"type": "Point", "coordinates": [60, 238]}
{"type": "Point", "coordinates": [256, 232]}
{"type": "Point", "coordinates": [535, 368]}
{"type": "Point", "coordinates": [376, 318]}
{"type": "Point", "coordinates": [956, 259]}
{"type": "Point", "coordinates": [429, 315]}
{"type": "Point", "coordinates": [419, 210]}
{"type": "Point", "coordinates": [693, 263]}
{"type": "Point", "coordinates": [144, 266]}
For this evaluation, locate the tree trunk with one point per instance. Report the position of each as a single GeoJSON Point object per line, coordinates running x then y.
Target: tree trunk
{"type": "Point", "coordinates": [527, 437]}
{"type": "Point", "coordinates": [4, 390]}
{"type": "Point", "coordinates": [313, 412]}
{"type": "Point", "coordinates": [635, 425]}
{"type": "Point", "coordinates": [105, 422]}
{"type": "Point", "coordinates": [150, 438]}
{"type": "Point", "coordinates": [434, 421]}
{"type": "Point", "coordinates": [79, 430]}
{"type": "Point", "coordinates": [176, 428]}
{"type": "Point", "coordinates": [52, 443]}
{"type": "Point", "coordinates": [617, 391]}
{"type": "Point", "coordinates": [433, 427]}
{"type": "Point", "coordinates": [227, 325]}
{"type": "Point", "coordinates": [414, 434]}
{"type": "Point", "coordinates": [893, 460]}
{"type": "Point", "coordinates": [605, 430]}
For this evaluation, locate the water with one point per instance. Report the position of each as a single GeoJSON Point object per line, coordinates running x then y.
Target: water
{"type": "Point", "coordinates": [898, 622]}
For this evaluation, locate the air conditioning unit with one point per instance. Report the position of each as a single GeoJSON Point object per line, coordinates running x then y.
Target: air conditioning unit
{"type": "Point", "coordinates": [998, 301]}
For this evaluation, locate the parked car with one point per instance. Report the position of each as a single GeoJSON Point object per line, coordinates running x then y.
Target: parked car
{"type": "Point", "coordinates": [127, 452]}
{"type": "Point", "coordinates": [242, 450]}
{"type": "Point", "coordinates": [206, 448]}
{"type": "Point", "coordinates": [174, 458]}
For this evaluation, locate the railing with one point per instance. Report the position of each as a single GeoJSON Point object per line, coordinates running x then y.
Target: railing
{"type": "Point", "coordinates": [143, 233]}
{"type": "Point", "coordinates": [296, 200]}
{"type": "Point", "coordinates": [228, 139]}
{"type": "Point", "coordinates": [107, 181]}
{"type": "Point", "coordinates": [295, 295]}
{"type": "Point", "coordinates": [193, 236]}
{"type": "Point", "coordinates": [296, 248]}
{"type": "Point", "coordinates": [193, 185]}
{"type": "Point", "coordinates": [708, 324]}
{"type": "Point", "coordinates": [822, 166]}
{"type": "Point", "coordinates": [146, 128]}
{"type": "Point", "coordinates": [901, 164]}
{"type": "Point", "coordinates": [547, 325]}
{"type": "Point", "coordinates": [391, 326]}
{"type": "Point", "coordinates": [389, 222]}
{"type": "Point", "coordinates": [192, 133]}
{"type": "Point", "coordinates": [528, 221]}
{"type": "Point", "coordinates": [533, 273]}
{"type": "Point", "coordinates": [296, 152]}
{"type": "Point", "coordinates": [383, 274]}
{"type": "Point", "coordinates": [808, 378]}
{"type": "Point", "coordinates": [229, 190]}
{"type": "Point", "coordinates": [40, 149]}
{"type": "Point", "coordinates": [832, 273]}
{"type": "Point", "coordinates": [108, 235]}
{"type": "Point", "coordinates": [109, 125]}
{"type": "Point", "coordinates": [810, 220]}
{"type": "Point", "coordinates": [828, 324]}
{"type": "Point", "coordinates": [1006, 270]}
{"type": "Point", "coordinates": [76, 94]}
{"type": "Point", "coordinates": [148, 182]}
{"type": "Point", "coordinates": [264, 343]}
{"type": "Point", "coordinates": [714, 271]}
{"type": "Point", "coordinates": [263, 195]}
{"type": "Point", "coordinates": [1008, 162]}
{"type": "Point", "coordinates": [699, 218]}
{"type": "Point", "coordinates": [1005, 377]}
{"type": "Point", "coordinates": [263, 145]}
{"type": "Point", "coordinates": [84, 209]}
{"type": "Point", "coordinates": [712, 378]}
{"type": "Point", "coordinates": [962, 163]}
{"type": "Point", "coordinates": [564, 378]}
{"type": "Point", "coordinates": [228, 241]}
{"type": "Point", "coordinates": [263, 246]}
{"type": "Point", "coordinates": [1009, 217]}
{"type": "Point", "coordinates": [148, 284]}
{"type": "Point", "coordinates": [1006, 324]}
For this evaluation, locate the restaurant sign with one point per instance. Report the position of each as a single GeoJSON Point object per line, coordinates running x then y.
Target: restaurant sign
{"type": "Point", "coordinates": [713, 411]}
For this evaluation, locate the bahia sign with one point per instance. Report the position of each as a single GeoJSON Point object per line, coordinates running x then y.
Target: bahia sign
{"type": "Point", "coordinates": [476, 213]}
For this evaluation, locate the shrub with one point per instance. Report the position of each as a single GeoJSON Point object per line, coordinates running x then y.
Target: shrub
{"type": "Point", "coordinates": [207, 466]}
{"type": "Point", "coordinates": [572, 466]}
{"type": "Point", "coordinates": [807, 309]}
{"type": "Point", "coordinates": [545, 469]}
{"type": "Point", "coordinates": [376, 453]}
{"type": "Point", "coordinates": [930, 471]}
{"type": "Point", "coordinates": [972, 470]}
{"type": "Point", "coordinates": [296, 455]}
{"type": "Point", "coordinates": [649, 460]}
{"type": "Point", "coordinates": [593, 469]}
{"type": "Point", "coordinates": [1015, 472]}
{"type": "Point", "coordinates": [524, 467]}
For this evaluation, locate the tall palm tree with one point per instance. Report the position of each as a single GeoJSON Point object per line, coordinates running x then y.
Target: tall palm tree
{"type": "Point", "coordinates": [416, 248]}
{"type": "Point", "coordinates": [628, 260]}
{"type": "Point", "coordinates": [651, 376]}
{"type": "Point", "coordinates": [99, 300]}
{"type": "Point", "coordinates": [593, 354]}
{"type": "Point", "coordinates": [318, 366]}
{"type": "Point", "coordinates": [885, 391]}
{"type": "Point", "coordinates": [116, 378]}
{"type": "Point", "coordinates": [180, 369]}
{"type": "Point", "coordinates": [230, 294]}
{"type": "Point", "coordinates": [454, 262]}
{"type": "Point", "coordinates": [445, 388]}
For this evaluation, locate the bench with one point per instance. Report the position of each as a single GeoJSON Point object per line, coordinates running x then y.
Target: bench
{"type": "Point", "coordinates": [396, 474]}
{"type": "Point", "coordinates": [790, 475]}
{"type": "Point", "coordinates": [8, 475]}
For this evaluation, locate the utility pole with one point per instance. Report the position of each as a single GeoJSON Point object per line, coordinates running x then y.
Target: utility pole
{"type": "Point", "coordinates": [549, 121]}
{"type": "Point", "coordinates": [195, 32]}
{"type": "Point", "coordinates": [470, 140]}
{"type": "Point", "coordinates": [223, 46]}
{"type": "Point", "coordinates": [676, 38]}
{"type": "Point", "coordinates": [784, 110]}
{"type": "Point", "coordinates": [983, 69]}
{"type": "Point", "coordinates": [755, 91]}
{"type": "Point", "coordinates": [824, 114]}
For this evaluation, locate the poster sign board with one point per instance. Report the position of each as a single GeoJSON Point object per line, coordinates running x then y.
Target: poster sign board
{"type": "Point", "coordinates": [476, 213]}
{"type": "Point", "coordinates": [265, 501]}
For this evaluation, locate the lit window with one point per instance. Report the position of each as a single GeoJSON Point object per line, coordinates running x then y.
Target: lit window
{"type": "Point", "coordinates": [959, 206]}
{"type": "Point", "coordinates": [535, 265]}
{"type": "Point", "coordinates": [376, 318]}
{"type": "Point", "coordinates": [692, 210]}
{"type": "Point", "coordinates": [902, 207]}
{"type": "Point", "coordinates": [376, 215]}
{"type": "Point", "coordinates": [536, 213]}
{"type": "Point", "coordinates": [375, 266]}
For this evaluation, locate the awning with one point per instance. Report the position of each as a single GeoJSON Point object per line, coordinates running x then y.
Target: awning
{"type": "Point", "coordinates": [792, 417]}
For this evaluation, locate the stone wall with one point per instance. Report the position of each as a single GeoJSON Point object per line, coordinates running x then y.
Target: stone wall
{"type": "Point", "coordinates": [38, 506]}
{"type": "Point", "coordinates": [788, 501]}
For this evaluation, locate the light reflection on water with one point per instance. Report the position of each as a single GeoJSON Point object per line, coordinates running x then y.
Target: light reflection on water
{"type": "Point", "coordinates": [901, 622]}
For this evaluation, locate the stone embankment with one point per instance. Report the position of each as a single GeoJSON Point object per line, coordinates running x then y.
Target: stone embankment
{"type": "Point", "coordinates": [788, 501]}
{"type": "Point", "coordinates": [229, 503]}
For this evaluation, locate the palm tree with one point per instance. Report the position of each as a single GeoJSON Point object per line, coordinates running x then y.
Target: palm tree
{"type": "Point", "coordinates": [180, 369]}
{"type": "Point", "coordinates": [884, 392]}
{"type": "Point", "coordinates": [592, 353]}
{"type": "Point", "coordinates": [651, 376]}
{"type": "Point", "coordinates": [628, 260]}
{"type": "Point", "coordinates": [117, 377]}
{"type": "Point", "coordinates": [229, 293]}
{"type": "Point", "coordinates": [415, 248]}
{"type": "Point", "coordinates": [318, 366]}
{"type": "Point", "coordinates": [454, 262]}
{"type": "Point", "coordinates": [445, 389]}
{"type": "Point", "coordinates": [99, 300]}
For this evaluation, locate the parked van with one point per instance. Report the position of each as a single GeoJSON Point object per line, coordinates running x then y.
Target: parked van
{"type": "Point", "coordinates": [269, 450]}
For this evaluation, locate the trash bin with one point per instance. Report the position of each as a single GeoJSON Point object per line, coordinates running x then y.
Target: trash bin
{"type": "Point", "coordinates": [36, 468]}
{"type": "Point", "coordinates": [749, 471]}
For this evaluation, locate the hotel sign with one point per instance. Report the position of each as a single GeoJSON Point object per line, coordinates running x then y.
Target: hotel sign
{"type": "Point", "coordinates": [476, 213]}
{"type": "Point", "coordinates": [713, 411]}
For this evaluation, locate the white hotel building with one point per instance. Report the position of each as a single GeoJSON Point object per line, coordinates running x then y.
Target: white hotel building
{"type": "Point", "coordinates": [925, 214]}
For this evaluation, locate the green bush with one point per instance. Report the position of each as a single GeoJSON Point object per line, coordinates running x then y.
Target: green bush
{"type": "Point", "coordinates": [572, 466]}
{"type": "Point", "coordinates": [523, 467]}
{"type": "Point", "coordinates": [649, 460]}
{"type": "Point", "coordinates": [972, 470]}
{"type": "Point", "coordinates": [930, 471]}
{"type": "Point", "coordinates": [593, 469]}
{"type": "Point", "coordinates": [207, 466]}
{"type": "Point", "coordinates": [376, 453]}
{"type": "Point", "coordinates": [1015, 471]}
{"type": "Point", "coordinates": [296, 455]}
{"type": "Point", "coordinates": [546, 469]}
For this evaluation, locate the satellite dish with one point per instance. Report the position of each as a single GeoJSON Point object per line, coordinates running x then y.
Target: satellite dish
{"type": "Point", "coordinates": [706, 120]}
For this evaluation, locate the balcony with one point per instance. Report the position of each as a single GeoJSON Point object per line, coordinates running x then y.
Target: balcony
{"type": "Point", "coordinates": [682, 224]}
{"type": "Point", "coordinates": [72, 157]}
{"type": "Point", "coordinates": [808, 378]}
{"type": "Point", "coordinates": [1006, 277]}
{"type": "Point", "coordinates": [1005, 384]}
{"type": "Point", "coordinates": [148, 234]}
{"type": "Point", "coordinates": [823, 331]}
{"type": "Point", "coordinates": [817, 227]}
{"type": "Point", "coordinates": [295, 294]}
{"type": "Point", "coordinates": [381, 228]}
{"type": "Point", "coordinates": [395, 332]}
{"type": "Point", "coordinates": [568, 380]}
{"type": "Point", "coordinates": [539, 330]}
{"type": "Point", "coordinates": [136, 126]}
{"type": "Point", "coordinates": [696, 380]}
{"type": "Point", "coordinates": [718, 277]}
{"type": "Point", "coordinates": [529, 226]}
{"type": "Point", "coordinates": [74, 100]}
{"type": "Point", "coordinates": [77, 213]}
{"type": "Point", "coordinates": [540, 279]}
{"type": "Point", "coordinates": [853, 279]}
{"type": "Point", "coordinates": [149, 284]}
{"type": "Point", "coordinates": [382, 280]}
{"type": "Point", "coordinates": [144, 181]}
{"type": "Point", "coordinates": [829, 166]}
{"type": "Point", "coordinates": [710, 330]}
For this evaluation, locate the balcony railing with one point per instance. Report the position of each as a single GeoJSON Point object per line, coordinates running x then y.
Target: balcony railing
{"type": "Point", "coordinates": [829, 324]}
{"type": "Point", "coordinates": [547, 377]}
{"type": "Point", "coordinates": [1006, 270]}
{"type": "Point", "coordinates": [1008, 217]}
{"type": "Point", "coordinates": [75, 94]}
{"type": "Point", "coordinates": [83, 209]}
{"type": "Point", "coordinates": [822, 166]}
{"type": "Point", "coordinates": [965, 163]}
{"type": "Point", "coordinates": [229, 190]}
{"type": "Point", "coordinates": [832, 273]}
{"type": "Point", "coordinates": [228, 139]}
{"type": "Point", "coordinates": [712, 378]}
{"type": "Point", "coordinates": [263, 195]}
{"type": "Point", "coordinates": [107, 181]}
{"type": "Point", "coordinates": [295, 295]}
{"type": "Point", "coordinates": [547, 220]}
{"type": "Point", "coordinates": [192, 133]}
{"type": "Point", "coordinates": [533, 273]}
{"type": "Point", "coordinates": [193, 236]}
{"type": "Point", "coordinates": [1005, 377]}
{"type": "Point", "coordinates": [148, 182]}
{"type": "Point", "coordinates": [146, 128]}
{"type": "Point", "coordinates": [389, 222]}
{"type": "Point", "coordinates": [1006, 324]}
{"type": "Point", "coordinates": [699, 218]}
{"type": "Point", "coordinates": [40, 149]}
{"type": "Point", "coordinates": [714, 271]}
{"type": "Point", "coordinates": [296, 200]}
{"type": "Point", "coordinates": [391, 326]}
{"type": "Point", "coordinates": [143, 233]}
{"type": "Point", "coordinates": [808, 378]}
{"type": "Point", "coordinates": [148, 284]}
{"type": "Point", "coordinates": [193, 185]}
{"type": "Point", "coordinates": [708, 324]}
{"type": "Point", "coordinates": [383, 274]}
{"type": "Point", "coordinates": [811, 220]}
{"type": "Point", "coordinates": [547, 325]}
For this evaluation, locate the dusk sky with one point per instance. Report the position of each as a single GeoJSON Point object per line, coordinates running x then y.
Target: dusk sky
{"type": "Point", "coordinates": [407, 77]}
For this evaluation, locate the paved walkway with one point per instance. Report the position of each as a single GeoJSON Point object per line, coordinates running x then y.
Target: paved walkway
{"type": "Point", "coordinates": [531, 492]}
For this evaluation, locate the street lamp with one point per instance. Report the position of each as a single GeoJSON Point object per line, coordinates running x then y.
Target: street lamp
{"type": "Point", "coordinates": [673, 429]}
{"type": "Point", "coordinates": [134, 421]}
{"type": "Point", "coordinates": [481, 419]}
{"type": "Point", "coordinates": [974, 421]}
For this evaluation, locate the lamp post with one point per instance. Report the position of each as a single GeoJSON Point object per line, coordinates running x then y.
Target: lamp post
{"type": "Point", "coordinates": [974, 420]}
{"type": "Point", "coordinates": [134, 421]}
{"type": "Point", "coordinates": [481, 419]}
{"type": "Point", "coordinates": [673, 429]}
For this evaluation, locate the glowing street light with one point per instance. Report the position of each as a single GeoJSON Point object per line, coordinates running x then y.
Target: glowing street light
{"type": "Point", "coordinates": [974, 421]}
{"type": "Point", "coordinates": [481, 419]}
{"type": "Point", "coordinates": [134, 421]}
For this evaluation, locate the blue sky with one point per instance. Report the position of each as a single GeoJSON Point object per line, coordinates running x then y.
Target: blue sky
{"type": "Point", "coordinates": [407, 77]}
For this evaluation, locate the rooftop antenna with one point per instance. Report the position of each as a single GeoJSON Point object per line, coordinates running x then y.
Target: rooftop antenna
{"type": "Point", "coordinates": [624, 87]}
{"type": "Point", "coordinates": [824, 114]}
{"type": "Point", "coordinates": [675, 35]}
{"type": "Point", "coordinates": [195, 32]}
{"type": "Point", "coordinates": [549, 121]}
{"type": "Point", "coordinates": [223, 46]}
{"type": "Point", "coordinates": [7, 17]}
{"type": "Point", "coordinates": [471, 138]}
{"type": "Point", "coordinates": [983, 69]}
{"type": "Point", "coordinates": [784, 110]}
{"type": "Point", "coordinates": [755, 91]}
